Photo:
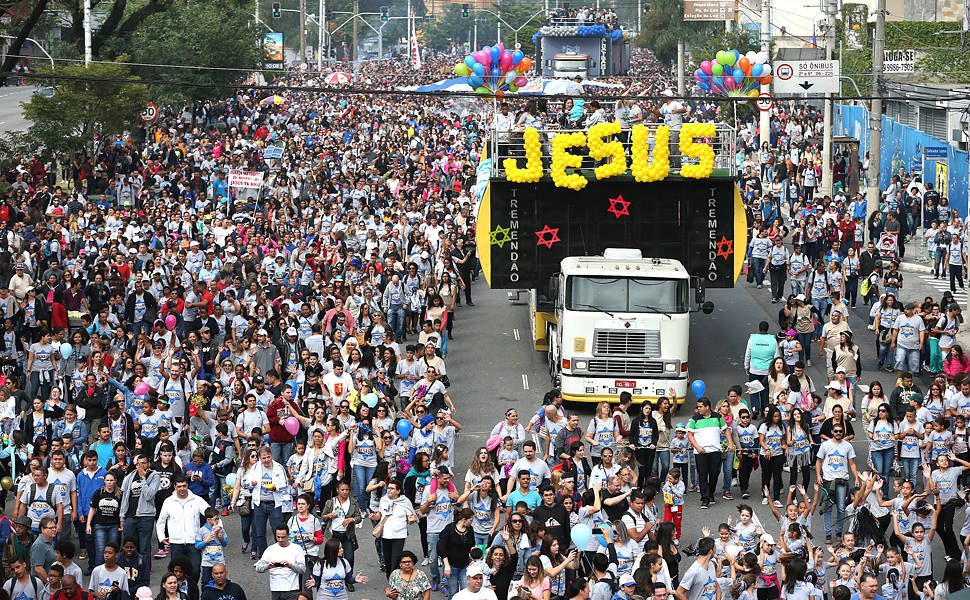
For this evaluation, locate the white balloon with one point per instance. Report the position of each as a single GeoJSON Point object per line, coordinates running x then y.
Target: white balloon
{"type": "Point", "coordinates": [761, 57]}
{"type": "Point", "coordinates": [751, 56]}
{"type": "Point", "coordinates": [765, 69]}
{"type": "Point", "coordinates": [510, 76]}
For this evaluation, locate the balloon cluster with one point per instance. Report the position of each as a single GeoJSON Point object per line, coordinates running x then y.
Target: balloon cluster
{"type": "Point", "coordinates": [495, 70]}
{"type": "Point", "coordinates": [599, 150]}
{"type": "Point", "coordinates": [591, 31]}
{"type": "Point", "coordinates": [533, 160]}
{"type": "Point", "coordinates": [704, 153]}
{"type": "Point", "coordinates": [734, 74]}
{"type": "Point", "coordinates": [562, 159]}
{"type": "Point", "coordinates": [645, 171]}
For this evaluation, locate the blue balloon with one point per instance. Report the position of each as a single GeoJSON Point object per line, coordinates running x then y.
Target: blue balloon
{"type": "Point", "coordinates": [505, 87]}
{"type": "Point", "coordinates": [699, 387]}
{"type": "Point", "coordinates": [737, 55]}
{"type": "Point", "coordinates": [495, 72]}
{"type": "Point", "coordinates": [292, 384]}
{"type": "Point", "coordinates": [487, 49]}
{"type": "Point", "coordinates": [717, 80]}
{"type": "Point", "coordinates": [479, 69]}
{"type": "Point", "coordinates": [738, 73]}
{"type": "Point", "coordinates": [231, 479]}
{"type": "Point", "coordinates": [704, 85]}
{"type": "Point", "coordinates": [470, 61]}
{"type": "Point", "coordinates": [404, 428]}
{"type": "Point", "coordinates": [476, 81]}
{"type": "Point", "coordinates": [496, 54]}
{"type": "Point", "coordinates": [517, 57]}
{"type": "Point", "coordinates": [581, 534]}
{"type": "Point", "coordinates": [756, 70]}
{"type": "Point", "coordinates": [601, 538]}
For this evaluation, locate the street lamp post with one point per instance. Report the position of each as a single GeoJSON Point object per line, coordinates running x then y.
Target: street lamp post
{"type": "Point", "coordinates": [34, 42]}
{"type": "Point", "coordinates": [503, 22]}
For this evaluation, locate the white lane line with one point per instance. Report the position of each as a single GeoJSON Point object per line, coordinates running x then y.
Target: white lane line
{"type": "Point", "coordinates": [525, 381]}
{"type": "Point", "coordinates": [515, 333]}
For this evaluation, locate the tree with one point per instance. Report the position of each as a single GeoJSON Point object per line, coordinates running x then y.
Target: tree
{"type": "Point", "coordinates": [664, 26]}
{"type": "Point", "coordinates": [81, 111]}
{"type": "Point", "coordinates": [214, 36]}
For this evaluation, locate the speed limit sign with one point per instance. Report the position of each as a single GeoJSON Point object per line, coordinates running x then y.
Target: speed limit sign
{"type": "Point", "coordinates": [764, 101]}
{"type": "Point", "coordinates": [149, 113]}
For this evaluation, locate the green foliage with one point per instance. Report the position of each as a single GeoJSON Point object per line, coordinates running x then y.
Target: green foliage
{"type": "Point", "coordinates": [80, 111]}
{"type": "Point", "coordinates": [664, 26]}
{"type": "Point", "coordinates": [450, 26]}
{"type": "Point", "coordinates": [453, 27]}
{"type": "Point", "coordinates": [209, 35]}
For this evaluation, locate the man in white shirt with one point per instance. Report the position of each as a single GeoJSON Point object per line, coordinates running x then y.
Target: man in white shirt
{"type": "Point", "coordinates": [285, 563]}
{"type": "Point", "coordinates": [182, 512]}
{"type": "Point", "coordinates": [475, 589]}
{"type": "Point", "coordinates": [338, 383]}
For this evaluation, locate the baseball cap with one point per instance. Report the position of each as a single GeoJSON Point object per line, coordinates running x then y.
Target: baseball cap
{"type": "Point", "coordinates": [910, 306]}
{"type": "Point", "coordinates": [791, 332]}
{"type": "Point", "coordinates": [261, 332]}
{"type": "Point", "coordinates": [767, 538]}
{"type": "Point", "coordinates": [474, 570]}
{"type": "Point", "coordinates": [291, 331]}
{"type": "Point", "coordinates": [627, 579]}
{"type": "Point", "coordinates": [144, 593]}
{"type": "Point", "coordinates": [800, 297]}
{"type": "Point", "coordinates": [258, 379]}
{"type": "Point", "coordinates": [834, 386]}
{"type": "Point", "coordinates": [680, 427]}
{"type": "Point", "coordinates": [840, 370]}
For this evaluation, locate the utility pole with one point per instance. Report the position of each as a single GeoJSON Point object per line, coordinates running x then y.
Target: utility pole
{"type": "Point", "coordinates": [875, 115]}
{"type": "Point", "coordinates": [639, 15]}
{"type": "Point", "coordinates": [764, 123]}
{"type": "Point", "coordinates": [475, 34]}
{"type": "Point", "coordinates": [681, 84]}
{"type": "Point", "coordinates": [353, 52]}
{"type": "Point", "coordinates": [320, 18]}
{"type": "Point", "coordinates": [87, 32]}
{"type": "Point", "coordinates": [830, 8]}
{"type": "Point", "coordinates": [302, 31]}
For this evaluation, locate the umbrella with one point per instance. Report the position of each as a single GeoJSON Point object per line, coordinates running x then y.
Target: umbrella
{"type": "Point", "coordinates": [274, 100]}
{"type": "Point", "coordinates": [337, 78]}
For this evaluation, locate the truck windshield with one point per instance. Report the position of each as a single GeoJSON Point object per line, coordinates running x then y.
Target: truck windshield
{"type": "Point", "coordinates": [626, 294]}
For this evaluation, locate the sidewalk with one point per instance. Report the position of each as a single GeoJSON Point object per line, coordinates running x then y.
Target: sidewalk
{"type": "Point", "coordinates": [917, 258]}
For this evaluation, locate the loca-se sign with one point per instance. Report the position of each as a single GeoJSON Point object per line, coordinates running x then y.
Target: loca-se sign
{"type": "Point", "coordinates": [898, 61]}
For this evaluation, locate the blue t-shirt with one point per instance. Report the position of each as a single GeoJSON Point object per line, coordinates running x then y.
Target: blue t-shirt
{"type": "Point", "coordinates": [532, 499]}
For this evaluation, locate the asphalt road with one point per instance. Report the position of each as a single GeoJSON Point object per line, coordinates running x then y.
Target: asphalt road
{"type": "Point", "coordinates": [11, 113]}
{"type": "Point", "coordinates": [492, 367]}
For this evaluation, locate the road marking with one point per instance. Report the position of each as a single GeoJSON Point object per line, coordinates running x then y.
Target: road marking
{"type": "Point", "coordinates": [515, 333]}
{"type": "Point", "coordinates": [525, 381]}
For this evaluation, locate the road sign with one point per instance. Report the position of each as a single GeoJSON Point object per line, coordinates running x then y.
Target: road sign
{"type": "Point", "coordinates": [898, 61]}
{"type": "Point", "coordinates": [764, 101]}
{"type": "Point", "coordinates": [807, 77]}
{"type": "Point", "coordinates": [149, 113]}
{"type": "Point", "coordinates": [936, 152]}
{"type": "Point", "coordinates": [709, 10]}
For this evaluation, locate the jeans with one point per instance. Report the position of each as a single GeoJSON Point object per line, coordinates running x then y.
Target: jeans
{"type": "Point", "coordinates": [194, 555]}
{"type": "Point", "coordinates": [907, 359]}
{"type": "Point", "coordinates": [362, 475]}
{"type": "Point", "coordinates": [36, 388]}
{"type": "Point", "coordinates": [727, 467]}
{"type": "Point", "coordinates": [758, 265]}
{"type": "Point", "coordinates": [911, 469]}
{"type": "Point", "coordinates": [822, 305]}
{"type": "Point", "coordinates": [246, 523]}
{"type": "Point", "coordinates": [851, 289]}
{"type": "Point", "coordinates": [141, 528]}
{"type": "Point", "coordinates": [433, 555]}
{"type": "Point", "coordinates": [281, 451]}
{"type": "Point", "coordinates": [882, 462]}
{"type": "Point", "coordinates": [759, 399]}
{"type": "Point", "coordinates": [456, 581]}
{"type": "Point", "coordinates": [839, 506]}
{"type": "Point", "coordinates": [661, 464]}
{"type": "Point", "coordinates": [395, 319]}
{"type": "Point", "coordinates": [805, 339]}
{"type": "Point", "coordinates": [797, 287]}
{"type": "Point", "coordinates": [142, 327]}
{"type": "Point", "coordinates": [481, 539]}
{"type": "Point", "coordinates": [708, 465]}
{"type": "Point", "coordinates": [261, 513]}
{"type": "Point", "coordinates": [884, 350]}
{"type": "Point", "coordinates": [778, 276]}
{"type": "Point", "coordinates": [102, 535]}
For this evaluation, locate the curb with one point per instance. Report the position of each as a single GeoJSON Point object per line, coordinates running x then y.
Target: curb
{"type": "Point", "coordinates": [911, 267]}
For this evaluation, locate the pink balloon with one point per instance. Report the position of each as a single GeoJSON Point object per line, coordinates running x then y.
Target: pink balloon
{"type": "Point", "coordinates": [706, 67]}
{"type": "Point", "coordinates": [501, 48]}
{"type": "Point", "coordinates": [520, 81]}
{"type": "Point", "coordinates": [505, 63]}
{"type": "Point", "coordinates": [292, 425]}
{"type": "Point", "coordinates": [141, 389]}
{"type": "Point", "coordinates": [170, 322]}
{"type": "Point", "coordinates": [716, 88]}
{"type": "Point", "coordinates": [729, 83]}
{"type": "Point", "coordinates": [484, 57]}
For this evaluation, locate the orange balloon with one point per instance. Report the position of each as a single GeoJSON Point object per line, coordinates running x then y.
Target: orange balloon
{"type": "Point", "coordinates": [745, 64]}
{"type": "Point", "coordinates": [524, 64]}
{"type": "Point", "coordinates": [499, 93]}
{"type": "Point", "coordinates": [766, 80]}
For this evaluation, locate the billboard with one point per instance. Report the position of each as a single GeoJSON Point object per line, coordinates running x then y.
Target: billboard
{"type": "Point", "coordinates": [525, 230]}
{"type": "Point", "coordinates": [710, 10]}
{"type": "Point", "coordinates": [273, 50]}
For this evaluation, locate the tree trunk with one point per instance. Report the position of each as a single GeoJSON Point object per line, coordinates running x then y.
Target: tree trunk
{"type": "Point", "coordinates": [11, 59]}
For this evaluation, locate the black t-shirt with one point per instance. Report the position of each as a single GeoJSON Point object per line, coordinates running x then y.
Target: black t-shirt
{"type": "Point", "coordinates": [556, 521]}
{"type": "Point", "coordinates": [107, 508]}
{"type": "Point", "coordinates": [615, 512]}
{"type": "Point", "coordinates": [827, 424]}
{"type": "Point", "coordinates": [165, 475]}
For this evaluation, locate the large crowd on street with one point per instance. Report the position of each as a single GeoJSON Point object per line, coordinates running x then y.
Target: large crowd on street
{"type": "Point", "coordinates": [188, 369]}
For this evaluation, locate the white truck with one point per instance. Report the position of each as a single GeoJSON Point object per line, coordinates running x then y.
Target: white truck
{"type": "Point", "coordinates": [619, 322]}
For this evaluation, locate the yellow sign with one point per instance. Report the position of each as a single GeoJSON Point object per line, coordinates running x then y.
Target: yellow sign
{"type": "Point", "coordinates": [643, 166]}
{"type": "Point", "coordinates": [941, 174]}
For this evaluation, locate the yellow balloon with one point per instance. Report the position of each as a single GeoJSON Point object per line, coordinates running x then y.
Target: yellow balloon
{"type": "Point", "coordinates": [6, 483]}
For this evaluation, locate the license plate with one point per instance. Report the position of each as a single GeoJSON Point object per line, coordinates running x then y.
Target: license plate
{"type": "Point", "coordinates": [620, 383]}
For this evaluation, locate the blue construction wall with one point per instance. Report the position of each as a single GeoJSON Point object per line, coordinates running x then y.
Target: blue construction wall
{"type": "Point", "coordinates": [902, 146]}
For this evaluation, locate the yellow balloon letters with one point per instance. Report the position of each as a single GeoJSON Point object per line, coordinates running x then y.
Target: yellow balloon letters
{"type": "Point", "coordinates": [599, 150]}
{"type": "Point", "coordinates": [643, 170]}
{"type": "Point", "coordinates": [701, 151]}
{"type": "Point", "coordinates": [533, 160]}
{"type": "Point", "coordinates": [562, 159]}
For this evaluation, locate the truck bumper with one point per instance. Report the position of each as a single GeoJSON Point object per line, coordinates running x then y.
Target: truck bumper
{"type": "Point", "coordinates": [598, 389]}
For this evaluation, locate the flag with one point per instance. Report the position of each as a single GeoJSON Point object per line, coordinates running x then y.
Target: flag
{"type": "Point", "coordinates": [814, 40]}
{"type": "Point", "coordinates": [415, 54]}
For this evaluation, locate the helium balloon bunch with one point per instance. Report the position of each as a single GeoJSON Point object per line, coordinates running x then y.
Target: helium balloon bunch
{"type": "Point", "coordinates": [601, 150]}
{"type": "Point", "coordinates": [702, 152]}
{"type": "Point", "coordinates": [562, 159]}
{"type": "Point", "coordinates": [734, 74]}
{"type": "Point", "coordinates": [532, 172]}
{"type": "Point", "coordinates": [495, 70]}
{"type": "Point", "coordinates": [645, 171]}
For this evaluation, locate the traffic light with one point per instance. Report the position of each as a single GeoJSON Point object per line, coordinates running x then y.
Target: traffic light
{"type": "Point", "coordinates": [464, 11]}
{"type": "Point", "coordinates": [277, 10]}
{"type": "Point", "coordinates": [383, 13]}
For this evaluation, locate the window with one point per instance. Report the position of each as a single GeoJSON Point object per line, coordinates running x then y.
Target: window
{"type": "Point", "coordinates": [626, 294]}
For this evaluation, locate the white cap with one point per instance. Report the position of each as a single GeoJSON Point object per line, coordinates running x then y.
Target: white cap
{"type": "Point", "coordinates": [425, 255]}
{"type": "Point", "coordinates": [144, 593]}
{"type": "Point", "coordinates": [627, 579]}
{"type": "Point", "coordinates": [833, 385]}
{"type": "Point", "coordinates": [261, 332]}
{"type": "Point", "coordinates": [667, 92]}
{"type": "Point", "coordinates": [291, 331]}
{"type": "Point", "coordinates": [768, 539]}
{"type": "Point", "coordinates": [474, 570]}
{"type": "Point", "coordinates": [800, 297]}
{"type": "Point", "coordinates": [840, 370]}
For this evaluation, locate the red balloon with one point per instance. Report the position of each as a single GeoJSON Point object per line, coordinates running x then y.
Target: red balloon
{"type": "Point", "coordinates": [766, 80]}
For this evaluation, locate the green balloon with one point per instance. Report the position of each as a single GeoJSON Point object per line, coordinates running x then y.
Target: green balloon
{"type": "Point", "coordinates": [462, 70]}
{"type": "Point", "coordinates": [717, 69]}
{"type": "Point", "coordinates": [482, 90]}
{"type": "Point", "coordinates": [727, 59]}
{"type": "Point", "coordinates": [513, 88]}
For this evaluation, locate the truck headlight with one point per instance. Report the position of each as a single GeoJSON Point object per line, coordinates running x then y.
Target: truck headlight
{"type": "Point", "coordinates": [670, 367]}
{"type": "Point", "coordinates": [581, 365]}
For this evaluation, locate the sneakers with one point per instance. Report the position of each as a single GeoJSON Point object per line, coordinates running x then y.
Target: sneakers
{"type": "Point", "coordinates": [809, 362]}
{"type": "Point", "coordinates": [727, 496]}
{"type": "Point", "coordinates": [745, 495]}
{"type": "Point", "coordinates": [425, 563]}
{"type": "Point", "coordinates": [245, 548]}
{"type": "Point", "coordinates": [444, 588]}
{"type": "Point", "coordinates": [764, 500]}
{"type": "Point", "coordinates": [252, 555]}
{"type": "Point", "coordinates": [434, 585]}
{"type": "Point", "coordinates": [778, 503]}
{"type": "Point", "coordinates": [83, 555]}
{"type": "Point", "coordinates": [162, 553]}
{"type": "Point", "coordinates": [705, 506]}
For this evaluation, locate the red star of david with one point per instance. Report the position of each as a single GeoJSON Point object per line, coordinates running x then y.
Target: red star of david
{"type": "Point", "coordinates": [553, 236]}
{"type": "Point", "coordinates": [725, 247]}
{"type": "Point", "coordinates": [619, 206]}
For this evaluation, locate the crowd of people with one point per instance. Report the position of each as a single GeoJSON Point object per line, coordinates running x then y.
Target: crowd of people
{"type": "Point", "coordinates": [175, 351]}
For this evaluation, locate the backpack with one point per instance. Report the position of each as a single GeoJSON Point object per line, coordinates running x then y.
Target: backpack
{"type": "Point", "coordinates": [611, 581]}
{"type": "Point", "coordinates": [36, 585]}
{"type": "Point", "coordinates": [48, 496]}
